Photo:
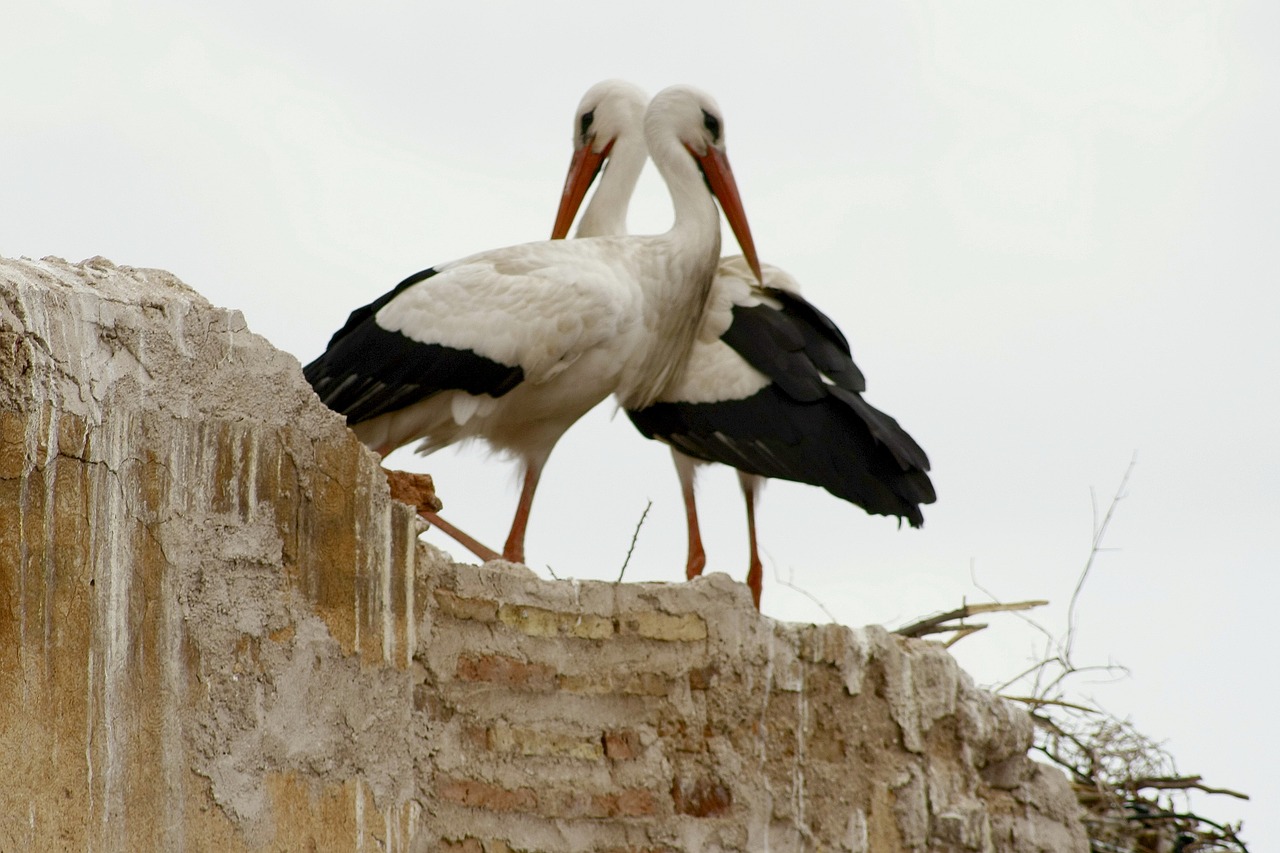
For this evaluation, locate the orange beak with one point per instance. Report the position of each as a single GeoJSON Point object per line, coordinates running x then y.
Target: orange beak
{"type": "Point", "coordinates": [583, 168]}
{"type": "Point", "coordinates": [715, 165]}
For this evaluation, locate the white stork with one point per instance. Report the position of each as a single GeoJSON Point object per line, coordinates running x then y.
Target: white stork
{"type": "Point", "coordinates": [770, 386]}
{"type": "Point", "coordinates": [515, 344]}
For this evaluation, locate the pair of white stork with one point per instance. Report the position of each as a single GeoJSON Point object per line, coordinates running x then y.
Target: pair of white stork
{"type": "Point", "coordinates": [720, 359]}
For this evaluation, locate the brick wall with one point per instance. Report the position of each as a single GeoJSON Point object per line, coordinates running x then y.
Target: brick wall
{"type": "Point", "coordinates": [218, 633]}
{"type": "Point", "coordinates": [606, 717]}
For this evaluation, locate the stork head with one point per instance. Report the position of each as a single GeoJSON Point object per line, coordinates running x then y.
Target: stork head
{"type": "Point", "coordinates": [694, 118]}
{"type": "Point", "coordinates": [611, 109]}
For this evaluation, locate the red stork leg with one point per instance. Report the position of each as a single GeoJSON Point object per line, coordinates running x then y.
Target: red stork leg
{"type": "Point", "coordinates": [513, 551]}
{"type": "Point", "coordinates": [697, 559]}
{"type": "Point", "coordinates": [755, 571]}
{"type": "Point", "coordinates": [463, 539]}
{"type": "Point", "coordinates": [418, 491]}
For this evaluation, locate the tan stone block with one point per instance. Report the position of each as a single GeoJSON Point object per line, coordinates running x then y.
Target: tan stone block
{"type": "Point", "coordinates": [685, 627]}
{"type": "Point", "coordinates": [539, 622]}
{"type": "Point", "coordinates": [475, 609]}
{"type": "Point", "coordinates": [588, 684]}
{"type": "Point", "coordinates": [541, 742]}
{"type": "Point", "coordinates": [534, 621]}
{"type": "Point", "coordinates": [644, 684]}
{"type": "Point", "coordinates": [589, 627]}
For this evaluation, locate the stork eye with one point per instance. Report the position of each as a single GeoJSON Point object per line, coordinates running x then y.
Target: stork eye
{"type": "Point", "coordinates": [712, 124]}
{"type": "Point", "coordinates": [585, 121]}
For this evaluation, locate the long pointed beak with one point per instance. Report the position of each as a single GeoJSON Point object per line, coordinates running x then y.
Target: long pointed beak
{"type": "Point", "coordinates": [715, 165]}
{"type": "Point", "coordinates": [583, 168]}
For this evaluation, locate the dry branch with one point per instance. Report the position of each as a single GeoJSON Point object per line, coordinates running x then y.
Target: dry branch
{"type": "Point", "coordinates": [1131, 793]}
{"type": "Point", "coordinates": [937, 624]}
{"type": "Point", "coordinates": [1183, 783]}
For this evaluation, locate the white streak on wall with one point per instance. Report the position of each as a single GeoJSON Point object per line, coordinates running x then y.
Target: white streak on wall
{"type": "Point", "coordinates": [113, 560]}
{"type": "Point", "coordinates": [50, 479]}
{"type": "Point", "coordinates": [251, 476]}
{"type": "Point", "coordinates": [386, 562]}
{"type": "Point", "coordinates": [410, 606]}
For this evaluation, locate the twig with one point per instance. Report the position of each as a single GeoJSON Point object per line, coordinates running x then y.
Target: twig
{"type": "Point", "coordinates": [1183, 783]}
{"type": "Point", "coordinates": [1099, 531]}
{"type": "Point", "coordinates": [1228, 833]}
{"type": "Point", "coordinates": [973, 578]}
{"type": "Point", "coordinates": [1036, 702]}
{"type": "Point", "coordinates": [634, 536]}
{"type": "Point", "coordinates": [1125, 782]}
{"type": "Point", "coordinates": [936, 624]}
{"type": "Point", "coordinates": [962, 632]}
{"type": "Point", "coordinates": [791, 586]}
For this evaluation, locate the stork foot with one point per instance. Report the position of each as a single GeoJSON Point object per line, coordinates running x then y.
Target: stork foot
{"type": "Point", "coordinates": [696, 563]}
{"type": "Point", "coordinates": [419, 492]}
{"type": "Point", "coordinates": [416, 490]}
{"type": "Point", "coordinates": [755, 579]}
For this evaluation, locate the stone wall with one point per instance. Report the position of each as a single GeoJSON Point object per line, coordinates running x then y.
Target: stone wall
{"type": "Point", "coordinates": [218, 633]}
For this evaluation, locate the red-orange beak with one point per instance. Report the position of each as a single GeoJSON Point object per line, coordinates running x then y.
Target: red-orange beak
{"type": "Point", "coordinates": [715, 165]}
{"type": "Point", "coordinates": [583, 168]}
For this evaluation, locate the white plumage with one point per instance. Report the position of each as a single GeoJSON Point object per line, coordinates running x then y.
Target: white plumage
{"type": "Point", "coordinates": [769, 386]}
{"type": "Point", "coordinates": [515, 344]}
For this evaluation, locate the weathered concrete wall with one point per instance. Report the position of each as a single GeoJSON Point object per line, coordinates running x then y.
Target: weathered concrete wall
{"type": "Point", "coordinates": [218, 633]}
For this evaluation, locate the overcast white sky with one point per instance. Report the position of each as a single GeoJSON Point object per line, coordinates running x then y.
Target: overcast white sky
{"type": "Point", "coordinates": [1047, 230]}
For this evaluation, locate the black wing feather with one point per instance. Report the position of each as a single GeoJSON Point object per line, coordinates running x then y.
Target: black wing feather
{"type": "Point", "coordinates": [810, 424]}
{"type": "Point", "coordinates": [798, 346]}
{"type": "Point", "coordinates": [366, 312]}
{"type": "Point", "coordinates": [368, 371]}
{"type": "Point", "coordinates": [826, 443]}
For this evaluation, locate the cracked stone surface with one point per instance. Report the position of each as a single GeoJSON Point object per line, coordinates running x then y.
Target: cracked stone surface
{"type": "Point", "coordinates": [219, 633]}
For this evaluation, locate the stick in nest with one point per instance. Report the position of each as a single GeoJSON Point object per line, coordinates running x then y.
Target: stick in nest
{"type": "Point", "coordinates": [937, 624]}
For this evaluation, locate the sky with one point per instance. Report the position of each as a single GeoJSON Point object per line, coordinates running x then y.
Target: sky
{"type": "Point", "coordinates": [1046, 230]}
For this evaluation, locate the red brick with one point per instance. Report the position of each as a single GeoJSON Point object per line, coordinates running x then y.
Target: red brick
{"type": "Point", "coordinates": [632, 802]}
{"type": "Point", "coordinates": [476, 737]}
{"type": "Point", "coordinates": [629, 802]}
{"type": "Point", "coordinates": [621, 745]}
{"type": "Point", "coordinates": [645, 684]}
{"type": "Point", "coordinates": [702, 677]}
{"type": "Point", "coordinates": [509, 672]}
{"type": "Point", "coordinates": [702, 798]}
{"type": "Point", "coordinates": [425, 698]}
{"type": "Point", "coordinates": [481, 795]}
